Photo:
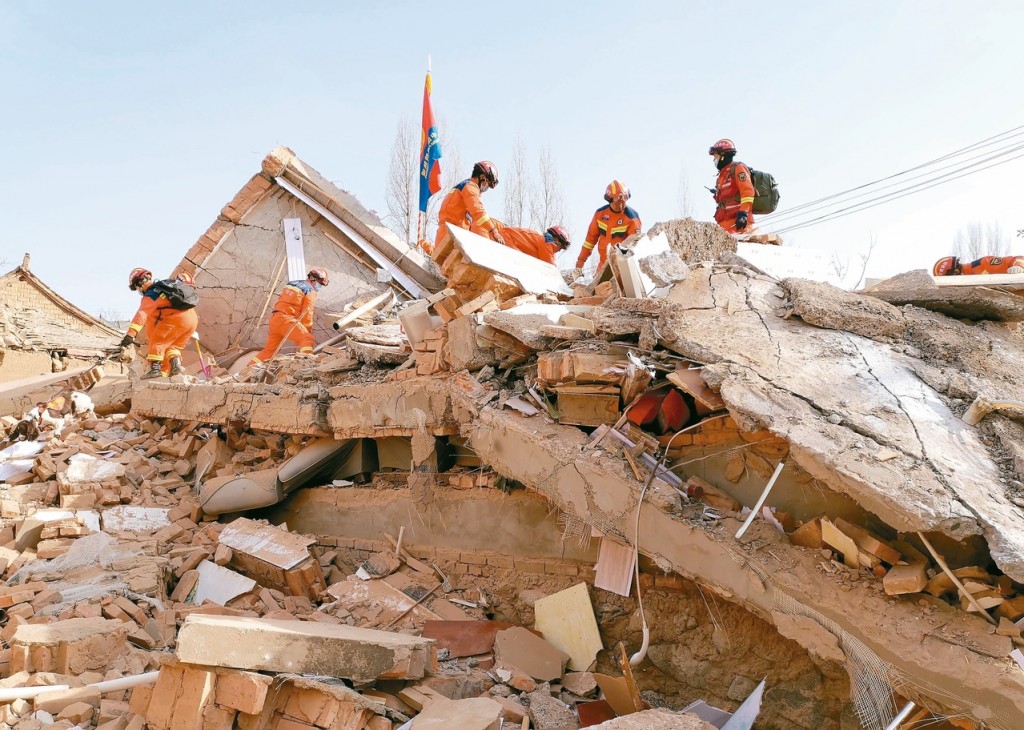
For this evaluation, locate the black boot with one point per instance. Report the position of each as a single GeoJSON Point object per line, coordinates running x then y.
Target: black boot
{"type": "Point", "coordinates": [176, 368]}
{"type": "Point", "coordinates": [153, 372]}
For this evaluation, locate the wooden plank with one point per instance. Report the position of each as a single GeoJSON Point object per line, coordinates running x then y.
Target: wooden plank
{"type": "Point", "coordinates": [475, 304]}
{"type": "Point", "coordinates": [808, 535]}
{"type": "Point", "coordinates": [691, 382]}
{"type": "Point", "coordinates": [639, 705]}
{"type": "Point", "coordinates": [614, 567]}
{"type": "Point", "coordinates": [841, 543]}
{"type": "Point", "coordinates": [870, 543]}
{"type": "Point", "coordinates": [566, 620]}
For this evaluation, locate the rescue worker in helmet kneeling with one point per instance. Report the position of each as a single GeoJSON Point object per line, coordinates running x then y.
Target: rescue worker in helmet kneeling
{"type": "Point", "coordinates": [612, 223]}
{"type": "Point", "coordinates": [292, 317]}
{"type": "Point", "coordinates": [541, 246]}
{"type": "Point", "coordinates": [462, 206]}
{"type": "Point", "coordinates": [952, 266]}
{"type": "Point", "coordinates": [734, 191]}
{"type": "Point", "coordinates": [168, 315]}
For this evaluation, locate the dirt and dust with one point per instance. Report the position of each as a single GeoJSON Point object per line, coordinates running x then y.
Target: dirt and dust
{"type": "Point", "coordinates": [695, 241]}
{"type": "Point", "coordinates": [655, 720]}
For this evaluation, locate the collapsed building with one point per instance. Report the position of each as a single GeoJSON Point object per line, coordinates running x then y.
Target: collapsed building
{"type": "Point", "coordinates": [484, 496]}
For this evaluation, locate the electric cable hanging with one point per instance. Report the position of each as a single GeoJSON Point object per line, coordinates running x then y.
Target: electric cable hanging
{"type": "Point", "coordinates": [998, 138]}
{"type": "Point", "coordinates": [887, 199]}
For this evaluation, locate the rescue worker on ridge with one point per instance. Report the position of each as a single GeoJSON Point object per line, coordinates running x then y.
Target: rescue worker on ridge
{"type": "Point", "coordinates": [292, 317]}
{"type": "Point", "coordinates": [168, 326]}
{"type": "Point", "coordinates": [462, 206]}
{"type": "Point", "coordinates": [734, 191]}
{"type": "Point", "coordinates": [951, 266]}
{"type": "Point", "coordinates": [541, 246]}
{"type": "Point", "coordinates": [612, 223]}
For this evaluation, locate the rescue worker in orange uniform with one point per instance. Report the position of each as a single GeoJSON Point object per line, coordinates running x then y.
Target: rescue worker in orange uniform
{"type": "Point", "coordinates": [612, 223]}
{"type": "Point", "coordinates": [541, 246]}
{"type": "Point", "coordinates": [168, 325]}
{"type": "Point", "coordinates": [462, 206]}
{"type": "Point", "coordinates": [734, 191]}
{"type": "Point", "coordinates": [951, 266]}
{"type": "Point", "coordinates": [292, 317]}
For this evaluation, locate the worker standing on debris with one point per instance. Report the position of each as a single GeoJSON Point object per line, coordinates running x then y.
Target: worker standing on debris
{"type": "Point", "coordinates": [734, 191]}
{"type": "Point", "coordinates": [951, 266]}
{"type": "Point", "coordinates": [541, 246]}
{"type": "Point", "coordinates": [168, 314]}
{"type": "Point", "coordinates": [612, 223]}
{"type": "Point", "coordinates": [462, 206]}
{"type": "Point", "coordinates": [292, 318]}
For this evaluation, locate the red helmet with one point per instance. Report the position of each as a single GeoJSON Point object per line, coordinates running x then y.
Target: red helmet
{"type": "Point", "coordinates": [320, 275]}
{"type": "Point", "coordinates": [615, 189]}
{"type": "Point", "coordinates": [137, 276]}
{"type": "Point", "coordinates": [722, 147]}
{"type": "Point", "coordinates": [949, 266]}
{"type": "Point", "coordinates": [488, 170]}
{"type": "Point", "coordinates": [186, 278]}
{"type": "Point", "coordinates": [560, 235]}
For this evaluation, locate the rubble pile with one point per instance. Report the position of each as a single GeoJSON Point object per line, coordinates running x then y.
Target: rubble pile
{"type": "Point", "coordinates": [775, 469]}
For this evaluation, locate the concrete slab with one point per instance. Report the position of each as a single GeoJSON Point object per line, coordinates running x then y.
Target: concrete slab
{"type": "Point", "coordinates": [978, 302]}
{"type": "Point", "coordinates": [303, 647]}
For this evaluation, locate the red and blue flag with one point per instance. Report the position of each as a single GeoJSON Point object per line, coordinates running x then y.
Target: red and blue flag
{"type": "Point", "coordinates": [430, 150]}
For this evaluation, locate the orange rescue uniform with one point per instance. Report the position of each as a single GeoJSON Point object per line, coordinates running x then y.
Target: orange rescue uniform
{"type": "Point", "coordinates": [462, 207]}
{"type": "Point", "coordinates": [528, 241]}
{"type": "Point", "coordinates": [993, 265]}
{"type": "Point", "coordinates": [735, 192]}
{"type": "Point", "coordinates": [292, 318]}
{"type": "Point", "coordinates": [168, 330]}
{"type": "Point", "coordinates": [608, 227]}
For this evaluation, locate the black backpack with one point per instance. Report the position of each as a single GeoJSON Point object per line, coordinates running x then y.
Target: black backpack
{"type": "Point", "coordinates": [180, 294]}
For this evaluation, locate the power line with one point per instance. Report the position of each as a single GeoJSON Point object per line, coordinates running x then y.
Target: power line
{"type": "Point", "coordinates": [793, 212]}
{"type": "Point", "coordinates": [1015, 131]}
{"type": "Point", "coordinates": [889, 198]}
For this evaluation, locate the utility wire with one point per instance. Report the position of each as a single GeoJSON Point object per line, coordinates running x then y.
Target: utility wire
{"type": "Point", "coordinates": [842, 213]}
{"type": "Point", "coordinates": [998, 138]}
{"type": "Point", "coordinates": [794, 213]}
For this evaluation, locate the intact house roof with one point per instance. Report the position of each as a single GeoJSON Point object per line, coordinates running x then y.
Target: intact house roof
{"type": "Point", "coordinates": [35, 317]}
{"type": "Point", "coordinates": [240, 264]}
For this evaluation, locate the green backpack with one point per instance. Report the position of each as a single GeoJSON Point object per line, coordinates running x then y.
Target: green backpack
{"type": "Point", "coordinates": [766, 191]}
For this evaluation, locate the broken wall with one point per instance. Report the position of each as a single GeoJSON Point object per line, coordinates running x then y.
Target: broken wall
{"type": "Point", "coordinates": [236, 280]}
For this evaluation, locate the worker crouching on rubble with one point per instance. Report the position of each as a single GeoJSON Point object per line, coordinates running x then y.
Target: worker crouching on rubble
{"type": "Point", "coordinates": [292, 318]}
{"type": "Point", "coordinates": [734, 191]}
{"type": "Point", "coordinates": [541, 246]}
{"type": "Point", "coordinates": [168, 315]}
{"type": "Point", "coordinates": [462, 206]}
{"type": "Point", "coordinates": [612, 223]}
{"type": "Point", "coordinates": [951, 266]}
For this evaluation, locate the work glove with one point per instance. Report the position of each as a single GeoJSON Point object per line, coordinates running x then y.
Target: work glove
{"type": "Point", "coordinates": [714, 192]}
{"type": "Point", "coordinates": [741, 220]}
{"type": "Point", "coordinates": [127, 340]}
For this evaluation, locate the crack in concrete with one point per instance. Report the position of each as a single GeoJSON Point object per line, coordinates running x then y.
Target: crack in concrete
{"type": "Point", "coordinates": [925, 457]}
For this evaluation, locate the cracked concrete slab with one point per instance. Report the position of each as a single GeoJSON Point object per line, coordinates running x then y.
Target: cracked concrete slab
{"type": "Point", "coordinates": [840, 398]}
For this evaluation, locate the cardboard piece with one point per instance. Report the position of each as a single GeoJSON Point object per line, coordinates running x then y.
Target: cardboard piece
{"type": "Point", "coordinates": [566, 619]}
{"type": "Point", "coordinates": [219, 584]}
{"type": "Point", "coordinates": [615, 567]}
{"type": "Point", "coordinates": [521, 649]}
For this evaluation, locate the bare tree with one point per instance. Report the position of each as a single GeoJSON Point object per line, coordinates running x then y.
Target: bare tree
{"type": "Point", "coordinates": [547, 201]}
{"type": "Point", "coordinates": [517, 186]}
{"type": "Point", "coordinates": [842, 267]}
{"type": "Point", "coordinates": [683, 199]}
{"type": "Point", "coordinates": [402, 191]}
{"type": "Point", "coordinates": [975, 240]}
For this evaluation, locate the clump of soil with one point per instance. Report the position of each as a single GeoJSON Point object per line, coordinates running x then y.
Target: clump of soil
{"type": "Point", "coordinates": [695, 241]}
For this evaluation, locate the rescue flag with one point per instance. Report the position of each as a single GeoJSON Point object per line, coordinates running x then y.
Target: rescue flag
{"type": "Point", "coordinates": [430, 150]}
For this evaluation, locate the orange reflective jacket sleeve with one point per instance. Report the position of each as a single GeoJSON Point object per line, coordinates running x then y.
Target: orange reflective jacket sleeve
{"type": "Point", "coordinates": [475, 207]}
{"type": "Point", "coordinates": [746, 187]}
{"type": "Point", "coordinates": [593, 233]}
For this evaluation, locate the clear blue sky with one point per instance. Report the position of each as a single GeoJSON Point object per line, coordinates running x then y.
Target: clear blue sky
{"type": "Point", "coordinates": [127, 126]}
